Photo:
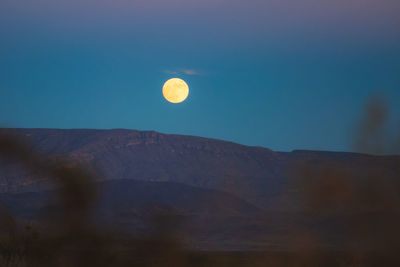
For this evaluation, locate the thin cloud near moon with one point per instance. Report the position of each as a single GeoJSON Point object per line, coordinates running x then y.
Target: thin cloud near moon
{"type": "Point", "coordinates": [182, 71]}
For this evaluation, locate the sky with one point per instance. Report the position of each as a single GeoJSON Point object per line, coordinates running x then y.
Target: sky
{"type": "Point", "coordinates": [281, 74]}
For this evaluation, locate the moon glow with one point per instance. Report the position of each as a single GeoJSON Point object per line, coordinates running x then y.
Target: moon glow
{"type": "Point", "coordinates": [175, 90]}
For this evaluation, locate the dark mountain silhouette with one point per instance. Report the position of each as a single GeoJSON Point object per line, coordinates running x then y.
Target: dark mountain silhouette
{"type": "Point", "coordinates": [258, 175]}
{"type": "Point", "coordinates": [224, 195]}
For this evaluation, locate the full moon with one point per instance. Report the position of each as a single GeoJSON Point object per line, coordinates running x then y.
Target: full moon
{"type": "Point", "coordinates": [175, 90]}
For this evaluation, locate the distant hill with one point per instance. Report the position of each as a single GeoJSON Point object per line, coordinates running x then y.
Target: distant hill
{"type": "Point", "coordinates": [224, 195]}
{"type": "Point", "coordinates": [203, 218]}
{"type": "Point", "coordinates": [257, 175]}
{"type": "Point", "coordinates": [121, 198]}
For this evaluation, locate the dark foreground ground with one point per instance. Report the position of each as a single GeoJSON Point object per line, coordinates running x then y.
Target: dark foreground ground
{"type": "Point", "coordinates": [209, 258]}
{"type": "Point", "coordinates": [281, 259]}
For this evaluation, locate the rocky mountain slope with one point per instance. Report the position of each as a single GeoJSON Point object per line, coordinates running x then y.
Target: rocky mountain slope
{"type": "Point", "coordinates": [258, 175]}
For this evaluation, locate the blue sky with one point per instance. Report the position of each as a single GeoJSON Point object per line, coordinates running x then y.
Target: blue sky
{"type": "Point", "coordinates": [271, 73]}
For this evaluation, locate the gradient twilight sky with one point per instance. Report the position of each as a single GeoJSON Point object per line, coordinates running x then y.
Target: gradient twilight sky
{"type": "Point", "coordinates": [282, 74]}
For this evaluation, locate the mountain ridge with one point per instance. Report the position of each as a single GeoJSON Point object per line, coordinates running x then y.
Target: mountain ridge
{"type": "Point", "coordinates": [258, 175]}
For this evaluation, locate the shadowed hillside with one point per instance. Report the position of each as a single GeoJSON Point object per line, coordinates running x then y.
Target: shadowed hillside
{"type": "Point", "coordinates": [258, 175]}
